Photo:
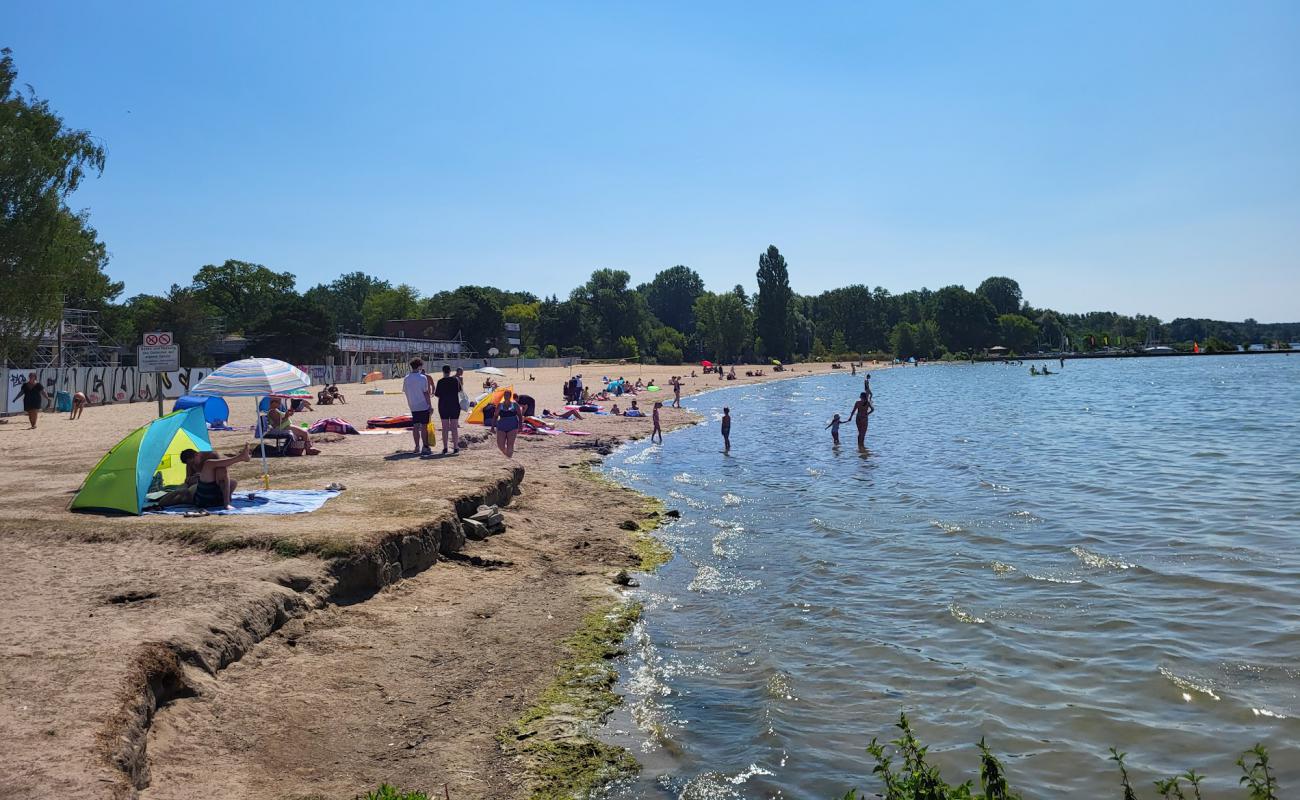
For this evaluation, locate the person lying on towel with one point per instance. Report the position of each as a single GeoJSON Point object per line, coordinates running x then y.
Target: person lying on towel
{"type": "Point", "coordinates": [568, 413]}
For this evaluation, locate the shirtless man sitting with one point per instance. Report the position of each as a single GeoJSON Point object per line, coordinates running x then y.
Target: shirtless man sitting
{"type": "Point", "coordinates": [213, 487]}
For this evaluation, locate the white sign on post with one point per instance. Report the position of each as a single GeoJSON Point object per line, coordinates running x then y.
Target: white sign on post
{"type": "Point", "coordinates": [164, 358]}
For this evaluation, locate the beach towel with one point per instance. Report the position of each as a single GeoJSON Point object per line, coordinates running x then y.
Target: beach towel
{"type": "Point", "coordinates": [332, 425]}
{"type": "Point", "coordinates": [272, 501]}
{"type": "Point", "coordinates": [577, 433]}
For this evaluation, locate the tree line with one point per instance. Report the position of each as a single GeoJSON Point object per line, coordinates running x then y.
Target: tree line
{"type": "Point", "coordinates": [52, 258]}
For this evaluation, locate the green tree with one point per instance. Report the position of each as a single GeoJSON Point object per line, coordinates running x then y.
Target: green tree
{"type": "Point", "coordinates": [671, 297]}
{"type": "Point", "coordinates": [526, 314]}
{"type": "Point", "coordinates": [1003, 293]}
{"type": "Point", "coordinates": [559, 323]}
{"type": "Point", "coordinates": [965, 319]}
{"type": "Point", "coordinates": [838, 347]}
{"type": "Point", "coordinates": [902, 340]}
{"type": "Point", "coordinates": [194, 324]}
{"type": "Point", "coordinates": [241, 292]}
{"type": "Point", "coordinates": [48, 254]}
{"type": "Point", "coordinates": [611, 310]}
{"type": "Point", "coordinates": [296, 330]}
{"type": "Point", "coordinates": [1016, 332]}
{"type": "Point", "coordinates": [772, 308]}
{"type": "Point", "coordinates": [724, 325]}
{"type": "Point", "coordinates": [474, 311]}
{"type": "Point", "coordinates": [927, 339]}
{"type": "Point", "coordinates": [400, 302]}
{"type": "Point", "coordinates": [345, 297]}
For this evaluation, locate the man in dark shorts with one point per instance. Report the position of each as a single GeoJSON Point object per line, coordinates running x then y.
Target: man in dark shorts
{"type": "Point", "coordinates": [527, 403]}
{"type": "Point", "coordinates": [726, 429]}
{"type": "Point", "coordinates": [447, 390]}
{"type": "Point", "coordinates": [416, 388]}
{"type": "Point", "coordinates": [34, 397]}
{"type": "Point", "coordinates": [214, 487]}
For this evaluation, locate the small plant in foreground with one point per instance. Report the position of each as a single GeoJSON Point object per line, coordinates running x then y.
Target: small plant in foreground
{"type": "Point", "coordinates": [386, 792]}
{"type": "Point", "coordinates": [916, 779]}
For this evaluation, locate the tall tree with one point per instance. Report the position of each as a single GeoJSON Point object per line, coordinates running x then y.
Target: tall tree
{"type": "Point", "coordinates": [1016, 332]}
{"type": "Point", "coordinates": [772, 308]}
{"type": "Point", "coordinates": [474, 311]}
{"type": "Point", "coordinates": [671, 297]}
{"type": "Point", "coordinates": [611, 310]}
{"type": "Point", "coordinates": [242, 292]}
{"type": "Point", "coordinates": [966, 320]}
{"type": "Point", "coordinates": [47, 252]}
{"type": "Point", "coordinates": [296, 330]}
{"type": "Point", "coordinates": [194, 324]}
{"type": "Point", "coordinates": [1003, 293]}
{"type": "Point", "coordinates": [345, 297]}
{"type": "Point", "coordinates": [723, 324]}
{"type": "Point", "coordinates": [399, 302]}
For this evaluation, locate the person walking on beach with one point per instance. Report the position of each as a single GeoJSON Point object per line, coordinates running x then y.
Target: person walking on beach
{"type": "Point", "coordinates": [447, 390]}
{"type": "Point", "coordinates": [834, 427]}
{"type": "Point", "coordinates": [677, 391]}
{"type": "Point", "coordinates": [726, 429]}
{"type": "Point", "coordinates": [508, 413]}
{"type": "Point", "coordinates": [862, 409]}
{"type": "Point", "coordinates": [658, 431]}
{"type": "Point", "coordinates": [34, 397]}
{"type": "Point", "coordinates": [416, 388]}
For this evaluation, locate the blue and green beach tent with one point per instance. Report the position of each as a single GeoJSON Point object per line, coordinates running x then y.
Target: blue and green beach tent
{"type": "Point", "coordinates": [120, 481]}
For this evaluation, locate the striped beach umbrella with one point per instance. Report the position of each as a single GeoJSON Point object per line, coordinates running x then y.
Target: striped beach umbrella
{"type": "Point", "coordinates": [252, 377]}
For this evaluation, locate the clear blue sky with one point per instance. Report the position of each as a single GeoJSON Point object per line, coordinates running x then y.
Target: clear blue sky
{"type": "Point", "coordinates": [1138, 157]}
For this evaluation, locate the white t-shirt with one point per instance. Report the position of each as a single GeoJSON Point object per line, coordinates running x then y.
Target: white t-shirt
{"type": "Point", "coordinates": [416, 386]}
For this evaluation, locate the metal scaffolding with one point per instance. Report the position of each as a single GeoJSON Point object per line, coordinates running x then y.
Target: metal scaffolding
{"type": "Point", "coordinates": [77, 341]}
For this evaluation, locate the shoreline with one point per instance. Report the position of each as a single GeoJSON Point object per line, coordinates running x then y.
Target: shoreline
{"type": "Point", "coordinates": [276, 669]}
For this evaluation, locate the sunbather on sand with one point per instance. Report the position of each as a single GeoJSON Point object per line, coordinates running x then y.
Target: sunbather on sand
{"type": "Point", "coordinates": [568, 413]}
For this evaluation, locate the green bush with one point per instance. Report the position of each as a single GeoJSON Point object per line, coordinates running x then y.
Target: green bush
{"type": "Point", "coordinates": [550, 351]}
{"type": "Point", "coordinates": [668, 354]}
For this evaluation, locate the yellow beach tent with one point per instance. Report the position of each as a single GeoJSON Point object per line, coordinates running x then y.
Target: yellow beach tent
{"type": "Point", "coordinates": [476, 414]}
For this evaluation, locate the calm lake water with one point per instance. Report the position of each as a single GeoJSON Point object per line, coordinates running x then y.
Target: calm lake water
{"type": "Point", "coordinates": [1107, 556]}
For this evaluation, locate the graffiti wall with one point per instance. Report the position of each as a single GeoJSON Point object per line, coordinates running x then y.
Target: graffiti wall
{"type": "Point", "coordinates": [101, 385]}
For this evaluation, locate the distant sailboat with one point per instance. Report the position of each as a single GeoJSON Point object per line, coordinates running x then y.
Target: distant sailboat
{"type": "Point", "coordinates": [1154, 348]}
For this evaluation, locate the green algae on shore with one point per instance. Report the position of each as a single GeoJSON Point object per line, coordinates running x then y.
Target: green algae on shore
{"type": "Point", "coordinates": [651, 552]}
{"type": "Point", "coordinates": [556, 737]}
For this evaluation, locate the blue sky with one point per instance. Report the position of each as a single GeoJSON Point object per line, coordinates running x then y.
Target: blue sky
{"type": "Point", "coordinates": [1138, 157]}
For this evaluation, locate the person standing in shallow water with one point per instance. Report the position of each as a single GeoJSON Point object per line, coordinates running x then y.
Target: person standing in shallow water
{"type": "Point", "coordinates": [862, 409]}
{"type": "Point", "coordinates": [658, 431]}
{"type": "Point", "coordinates": [726, 429]}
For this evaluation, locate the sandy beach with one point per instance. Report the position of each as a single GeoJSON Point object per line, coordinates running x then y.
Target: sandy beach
{"type": "Point", "coordinates": [317, 654]}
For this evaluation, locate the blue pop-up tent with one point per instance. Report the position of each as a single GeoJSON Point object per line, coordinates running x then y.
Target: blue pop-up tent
{"type": "Point", "coordinates": [214, 408]}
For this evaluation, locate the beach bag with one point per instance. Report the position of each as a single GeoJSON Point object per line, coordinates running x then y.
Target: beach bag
{"type": "Point", "coordinates": [465, 404]}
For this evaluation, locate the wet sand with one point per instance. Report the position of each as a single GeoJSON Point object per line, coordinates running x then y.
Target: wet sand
{"type": "Point", "coordinates": [318, 653]}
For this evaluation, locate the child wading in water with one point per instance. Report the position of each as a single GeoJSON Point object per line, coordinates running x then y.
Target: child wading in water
{"type": "Point", "coordinates": [834, 427]}
{"type": "Point", "coordinates": [657, 430]}
{"type": "Point", "coordinates": [726, 429]}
